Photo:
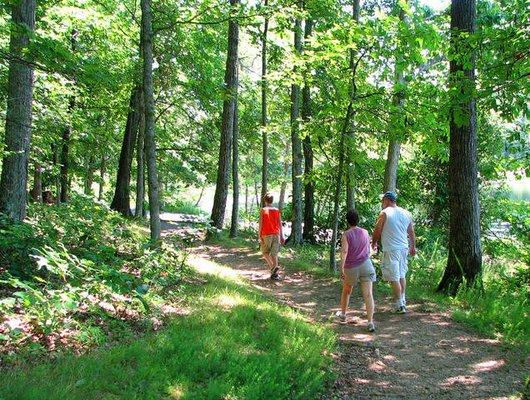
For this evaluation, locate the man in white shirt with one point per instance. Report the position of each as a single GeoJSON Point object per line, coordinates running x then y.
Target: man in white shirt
{"type": "Point", "coordinates": [395, 229]}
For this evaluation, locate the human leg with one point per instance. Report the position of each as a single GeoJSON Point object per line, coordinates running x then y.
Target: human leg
{"type": "Point", "coordinates": [403, 285]}
{"type": "Point", "coordinates": [345, 297]}
{"type": "Point", "coordinates": [366, 289]}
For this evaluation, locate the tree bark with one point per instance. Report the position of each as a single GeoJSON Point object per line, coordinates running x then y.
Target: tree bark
{"type": "Point", "coordinates": [283, 186]}
{"type": "Point", "coordinates": [150, 144]}
{"type": "Point", "coordinates": [36, 191]}
{"type": "Point", "coordinates": [296, 231]}
{"type": "Point", "coordinates": [394, 145]}
{"type": "Point", "coordinates": [338, 186]}
{"type": "Point", "coordinates": [89, 178]}
{"type": "Point", "coordinates": [235, 171]}
{"type": "Point", "coordinates": [121, 200]}
{"type": "Point", "coordinates": [350, 139]}
{"type": "Point", "coordinates": [264, 138]}
{"type": "Point", "coordinates": [223, 172]}
{"type": "Point", "coordinates": [66, 137]}
{"type": "Point", "coordinates": [102, 172]}
{"type": "Point", "coordinates": [139, 210]}
{"type": "Point", "coordinates": [308, 233]}
{"type": "Point", "coordinates": [14, 179]}
{"type": "Point", "coordinates": [465, 254]}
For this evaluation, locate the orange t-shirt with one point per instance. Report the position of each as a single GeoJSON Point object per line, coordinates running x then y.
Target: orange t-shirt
{"type": "Point", "coordinates": [270, 221]}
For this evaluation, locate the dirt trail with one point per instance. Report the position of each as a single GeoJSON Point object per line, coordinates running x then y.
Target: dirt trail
{"type": "Point", "coordinates": [420, 355]}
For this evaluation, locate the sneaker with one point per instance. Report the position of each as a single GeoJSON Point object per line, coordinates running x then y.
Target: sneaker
{"type": "Point", "coordinates": [401, 310]}
{"type": "Point", "coordinates": [275, 276]}
{"type": "Point", "coordinates": [275, 271]}
{"type": "Point", "coordinates": [340, 316]}
{"type": "Point", "coordinates": [371, 327]}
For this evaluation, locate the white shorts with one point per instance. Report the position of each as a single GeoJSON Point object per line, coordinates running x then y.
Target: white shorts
{"type": "Point", "coordinates": [394, 265]}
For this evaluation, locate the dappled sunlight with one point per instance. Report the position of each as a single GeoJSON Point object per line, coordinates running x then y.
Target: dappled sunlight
{"type": "Point", "coordinates": [176, 392]}
{"type": "Point", "coordinates": [229, 301]}
{"type": "Point", "coordinates": [377, 366]}
{"type": "Point", "coordinates": [487, 366]}
{"type": "Point", "coordinates": [204, 266]}
{"type": "Point", "coordinates": [464, 380]}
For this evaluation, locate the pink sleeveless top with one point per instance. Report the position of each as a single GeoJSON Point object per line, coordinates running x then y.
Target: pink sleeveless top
{"type": "Point", "coordinates": [358, 247]}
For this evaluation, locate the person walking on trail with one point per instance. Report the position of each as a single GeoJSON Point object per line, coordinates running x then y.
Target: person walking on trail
{"type": "Point", "coordinates": [395, 229]}
{"type": "Point", "coordinates": [356, 266]}
{"type": "Point", "coordinates": [270, 234]}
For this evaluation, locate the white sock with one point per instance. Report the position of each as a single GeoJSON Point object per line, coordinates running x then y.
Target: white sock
{"type": "Point", "coordinates": [403, 301]}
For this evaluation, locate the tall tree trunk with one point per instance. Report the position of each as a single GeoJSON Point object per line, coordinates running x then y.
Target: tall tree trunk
{"type": "Point", "coordinates": [66, 137]}
{"type": "Point", "coordinates": [223, 172]}
{"type": "Point", "coordinates": [139, 210]}
{"type": "Point", "coordinates": [14, 179]}
{"type": "Point", "coordinates": [56, 171]}
{"type": "Point", "coordinates": [36, 191]}
{"type": "Point", "coordinates": [121, 200]}
{"type": "Point", "coordinates": [102, 172]}
{"type": "Point", "coordinates": [264, 138]}
{"type": "Point", "coordinates": [350, 148]}
{"type": "Point", "coordinates": [338, 186]}
{"type": "Point", "coordinates": [235, 172]}
{"type": "Point", "coordinates": [465, 254]}
{"type": "Point", "coordinates": [394, 145]}
{"type": "Point", "coordinates": [309, 187]}
{"type": "Point", "coordinates": [89, 178]}
{"type": "Point", "coordinates": [296, 231]}
{"type": "Point", "coordinates": [246, 198]}
{"type": "Point", "coordinates": [150, 144]}
{"type": "Point", "coordinates": [283, 186]}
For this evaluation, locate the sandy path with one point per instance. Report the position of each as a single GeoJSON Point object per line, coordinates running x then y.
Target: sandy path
{"type": "Point", "coordinates": [420, 355]}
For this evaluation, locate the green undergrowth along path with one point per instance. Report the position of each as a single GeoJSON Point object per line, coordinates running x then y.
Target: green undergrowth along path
{"type": "Point", "coordinates": [235, 343]}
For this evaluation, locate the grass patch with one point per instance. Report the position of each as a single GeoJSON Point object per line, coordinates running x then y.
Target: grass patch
{"type": "Point", "coordinates": [235, 344]}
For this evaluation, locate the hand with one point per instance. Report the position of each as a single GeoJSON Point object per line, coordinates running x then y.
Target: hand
{"type": "Point", "coordinates": [412, 251]}
{"type": "Point", "coordinates": [342, 277]}
{"type": "Point", "coordinates": [282, 241]}
{"type": "Point", "coordinates": [374, 246]}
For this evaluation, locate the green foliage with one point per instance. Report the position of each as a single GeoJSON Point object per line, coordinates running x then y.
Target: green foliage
{"type": "Point", "coordinates": [235, 344]}
{"type": "Point", "coordinates": [77, 266]}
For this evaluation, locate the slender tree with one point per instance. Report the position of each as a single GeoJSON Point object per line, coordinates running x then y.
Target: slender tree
{"type": "Point", "coordinates": [66, 136]}
{"type": "Point", "coordinates": [139, 210]}
{"type": "Point", "coordinates": [150, 144]}
{"type": "Point", "coordinates": [223, 171]}
{"type": "Point", "coordinates": [102, 172]}
{"type": "Point", "coordinates": [121, 200]}
{"type": "Point", "coordinates": [235, 173]}
{"type": "Point", "coordinates": [14, 179]}
{"type": "Point", "coordinates": [465, 254]}
{"type": "Point", "coordinates": [296, 145]}
{"type": "Point", "coordinates": [308, 233]}
{"type": "Point", "coordinates": [286, 165]}
{"type": "Point", "coordinates": [36, 191]}
{"type": "Point", "coordinates": [350, 139]}
{"type": "Point", "coordinates": [394, 145]}
{"type": "Point", "coordinates": [264, 138]}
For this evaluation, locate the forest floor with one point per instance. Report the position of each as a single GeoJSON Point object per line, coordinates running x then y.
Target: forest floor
{"type": "Point", "coordinates": [420, 355]}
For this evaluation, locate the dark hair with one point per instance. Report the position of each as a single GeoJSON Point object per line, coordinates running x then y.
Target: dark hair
{"type": "Point", "coordinates": [268, 198]}
{"type": "Point", "coordinates": [352, 217]}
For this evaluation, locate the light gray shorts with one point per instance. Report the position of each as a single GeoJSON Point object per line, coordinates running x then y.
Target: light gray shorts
{"type": "Point", "coordinates": [270, 245]}
{"type": "Point", "coordinates": [395, 264]}
{"type": "Point", "coordinates": [363, 273]}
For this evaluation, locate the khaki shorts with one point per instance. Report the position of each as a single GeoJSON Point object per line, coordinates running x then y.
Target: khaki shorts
{"type": "Point", "coordinates": [363, 273]}
{"type": "Point", "coordinates": [270, 245]}
{"type": "Point", "coordinates": [394, 265]}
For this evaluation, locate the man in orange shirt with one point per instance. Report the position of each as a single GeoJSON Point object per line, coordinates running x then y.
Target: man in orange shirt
{"type": "Point", "coordinates": [270, 234]}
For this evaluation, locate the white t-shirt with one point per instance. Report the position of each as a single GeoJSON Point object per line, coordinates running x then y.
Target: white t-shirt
{"type": "Point", "coordinates": [395, 235]}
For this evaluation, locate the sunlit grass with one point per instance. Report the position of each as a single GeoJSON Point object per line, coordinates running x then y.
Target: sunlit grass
{"type": "Point", "coordinates": [236, 344]}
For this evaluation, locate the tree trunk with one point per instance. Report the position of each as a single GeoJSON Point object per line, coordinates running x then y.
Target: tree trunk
{"type": "Point", "coordinates": [350, 148]}
{"type": "Point", "coordinates": [150, 144]}
{"type": "Point", "coordinates": [265, 144]}
{"type": "Point", "coordinates": [296, 232]}
{"type": "Point", "coordinates": [139, 210]}
{"type": "Point", "coordinates": [309, 187]}
{"type": "Point", "coordinates": [89, 178]}
{"type": "Point", "coordinates": [465, 254]}
{"type": "Point", "coordinates": [338, 185]}
{"type": "Point", "coordinates": [396, 129]}
{"type": "Point", "coordinates": [235, 176]}
{"type": "Point", "coordinates": [14, 179]}
{"type": "Point", "coordinates": [283, 186]}
{"type": "Point", "coordinates": [36, 191]}
{"type": "Point", "coordinates": [121, 199]}
{"type": "Point", "coordinates": [65, 138]}
{"type": "Point", "coordinates": [223, 172]}
{"type": "Point", "coordinates": [102, 172]}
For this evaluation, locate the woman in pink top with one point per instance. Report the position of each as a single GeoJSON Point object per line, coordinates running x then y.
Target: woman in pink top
{"type": "Point", "coordinates": [356, 266]}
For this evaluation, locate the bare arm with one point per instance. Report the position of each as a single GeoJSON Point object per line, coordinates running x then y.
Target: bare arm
{"type": "Point", "coordinates": [343, 252]}
{"type": "Point", "coordinates": [412, 239]}
{"type": "Point", "coordinates": [376, 236]}
{"type": "Point", "coordinates": [282, 239]}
